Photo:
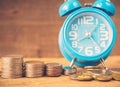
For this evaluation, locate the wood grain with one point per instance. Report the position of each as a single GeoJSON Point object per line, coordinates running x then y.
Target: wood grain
{"type": "Point", "coordinates": [31, 27]}
{"type": "Point", "coordinates": [62, 81]}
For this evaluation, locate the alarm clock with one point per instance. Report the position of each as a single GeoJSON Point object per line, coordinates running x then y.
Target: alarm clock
{"type": "Point", "coordinates": [88, 34]}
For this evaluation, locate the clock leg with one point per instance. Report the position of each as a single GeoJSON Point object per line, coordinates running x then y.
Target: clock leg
{"type": "Point", "coordinates": [106, 69]}
{"type": "Point", "coordinates": [72, 62]}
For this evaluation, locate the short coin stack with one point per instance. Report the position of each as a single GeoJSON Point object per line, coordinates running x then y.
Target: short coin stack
{"type": "Point", "coordinates": [34, 69]}
{"type": "Point", "coordinates": [12, 66]}
{"type": "Point", "coordinates": [69, 70]}
{"type": "Point", "coordinates": [53, 69]}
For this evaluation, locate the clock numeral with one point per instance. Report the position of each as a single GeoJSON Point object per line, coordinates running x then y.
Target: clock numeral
{"type": "Point", "coordinates": [96, 22]}
{"type": "Point", "coordinates": [86, 20]}
{"type": "Point", "coordinates": [103, 33]}
{"type": "Point", "coordinates": [74, 44]}
{"type": "Point", "coordinates": [74, 27]}
{"type": "Point", "coordinates": [89, 51]}
{"type": "Point", "coordinates": [102, 27]}
{"type": "Point", "coordinates": [80, 49]}
{"type": "Point", "coordinates": [103, 44]}
{"type": "Point", "coordinates": [73, 35]}
{"type": "Point", "coordinates": [97, 50]}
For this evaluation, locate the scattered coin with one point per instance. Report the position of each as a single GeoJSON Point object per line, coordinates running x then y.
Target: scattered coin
{"type": "Point", "coordinates": [34, 68]}
{"type": "Point", "coordinates": [103, 77]}
{"type": "Point", "coordinates": [91, 67]}
{"type": "Point", "coordinates": [81, 77]}
{"type": "Point", "coordinates": [53, 69]}
{"type": "Point", "coordinates": [115, 73]}
{"type": "Point", "coordinates": [93, 70]}
{"type": "Point", "coordinates": [67, 70]}
{"type": "Point", "coordinates": [84, 77]}
{"type": "Point", "coordinates": [12, 66]}
{"type": "Point", "coordinates": [96, 73]}
{"type": "Point", "coordinates": [73, 76]}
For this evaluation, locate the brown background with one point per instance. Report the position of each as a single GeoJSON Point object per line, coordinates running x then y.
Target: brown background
{"type": "Point", "coordinates": [31, 27]}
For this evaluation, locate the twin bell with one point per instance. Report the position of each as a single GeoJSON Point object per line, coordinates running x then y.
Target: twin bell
{"type": "Point", "coordinates": [71, 5]}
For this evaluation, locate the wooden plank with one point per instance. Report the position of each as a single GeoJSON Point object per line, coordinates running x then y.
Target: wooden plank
{"type": "Point", "coordinates": [62, 81]}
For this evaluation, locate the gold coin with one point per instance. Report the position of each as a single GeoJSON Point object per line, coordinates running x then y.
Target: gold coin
{"type": "Point", "coordinates": [103, 77]}
{"type": "Point", "coordinates": [81, 77]}
{"type": "Point", "coordinates": [84, 77]}
{"type": "Point", "coordinates": [116, 73]}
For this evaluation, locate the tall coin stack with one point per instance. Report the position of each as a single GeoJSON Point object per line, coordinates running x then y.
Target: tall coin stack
{"type": "Point", "coordinates": [12, 66]}
{"type": "Point", "coordinates": [53, 69]}
{"type": "Point", "coordinates": [34, 69]}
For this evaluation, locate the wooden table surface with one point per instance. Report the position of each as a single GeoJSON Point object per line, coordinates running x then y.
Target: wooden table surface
{"type": "Point", "coordinates": [62, 81]}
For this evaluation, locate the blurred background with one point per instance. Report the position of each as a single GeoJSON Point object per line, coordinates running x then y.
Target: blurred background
{"type": "Point", "coordinates": [31, 27]}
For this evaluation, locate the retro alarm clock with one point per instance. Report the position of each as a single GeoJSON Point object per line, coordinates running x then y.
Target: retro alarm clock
{"type": "Point", "coordinates": [88, 34]}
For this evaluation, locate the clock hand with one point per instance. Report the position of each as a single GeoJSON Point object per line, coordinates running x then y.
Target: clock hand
{"type": "Point", "coordinates": [93, 28]}
{"type": "Point", "coordinates": [81, 38]}
{"type": "Point", "coordinates": [94, 42]}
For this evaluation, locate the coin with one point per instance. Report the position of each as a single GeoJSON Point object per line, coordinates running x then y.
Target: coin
{"type": "Point", "coordinates": [53, 69]}
{"type": "Point", "coordinates": [81, 77]}
{"type": "Point", "coordinates": [115, 73]}
{"type": "Point", "coordinates": [73, 76]}
{"type": "Point", "coordinates": [35, 69]}
{"type": "Point", "coordinates": [93, 72]}
{"type": "Point", "coordinates": [12, 66]}
{"type": "Point", "coordinates": [96, 73]}
{"type": "Point", "coordinates": [67, 70]}
{"type": "Point", "coordinates": [103, 77]}
{"type": "Point", "coordinates": [92, 67]}
{"type": "Point", "coordinates": [84, 77]}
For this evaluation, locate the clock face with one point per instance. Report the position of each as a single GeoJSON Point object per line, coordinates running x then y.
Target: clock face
{"type": "Point", "coordinates": [89, 34]}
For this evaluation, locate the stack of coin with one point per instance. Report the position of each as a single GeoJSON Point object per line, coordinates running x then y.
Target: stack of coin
{"type": "Point", "coordinates": [67, 70]}
{"type": "Point", "coordinates": [35, 69]}
{"type": "Point", "coordinates": [53, 69]}
{"type": "Point", "coordinates": [12, 66]}
{"type": "Point", "coordinates": [116, 73]}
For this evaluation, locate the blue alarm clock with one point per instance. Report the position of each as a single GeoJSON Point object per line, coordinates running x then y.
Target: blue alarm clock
{"type": "Point", "coordinates": [88, 34]}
